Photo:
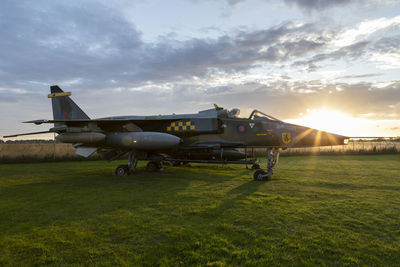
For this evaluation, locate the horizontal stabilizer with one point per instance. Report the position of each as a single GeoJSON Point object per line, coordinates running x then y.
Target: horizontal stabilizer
{"type": "Point", "coordinates": [114, 154]}
{"type": "Point", "coordinates": [85, 151]}
{"type": "Point", "coordinates": [37, 122]}
{"type": "Point", "coordinates": [15, 135]}
{"type": "Point", "coordinates": [52, 95]}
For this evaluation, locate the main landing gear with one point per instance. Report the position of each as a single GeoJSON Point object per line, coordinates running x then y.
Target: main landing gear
{"type": "Point", "coordinates": [272, 161]}
{"type": "Point", "coordinates": [123, 170]}
{"type": "Point", "coordinates": [154, 166]}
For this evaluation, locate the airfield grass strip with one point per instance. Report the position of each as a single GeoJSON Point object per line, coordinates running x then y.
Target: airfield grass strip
{"type": "Point", "coordinates": [316, 211]}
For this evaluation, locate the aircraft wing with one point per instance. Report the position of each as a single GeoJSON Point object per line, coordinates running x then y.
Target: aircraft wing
{"type": "Point", "coordinates": [15, 135]}
{"type": "Point", "coordinates": [105, 121]}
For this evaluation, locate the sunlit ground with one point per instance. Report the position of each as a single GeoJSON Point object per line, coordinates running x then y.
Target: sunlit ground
{"type": "Point", "coordinates": [344, 124]}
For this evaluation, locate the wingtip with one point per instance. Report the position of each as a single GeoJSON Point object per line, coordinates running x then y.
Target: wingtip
{"type": "Point", "coordinates": [37, 122]}
{"type": "Point", "coordinates": [55, 89]}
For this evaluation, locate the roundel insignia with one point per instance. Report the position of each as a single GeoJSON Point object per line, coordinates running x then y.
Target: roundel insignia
{"type": "Point", "coordinates": [241, 129]}
{"type": "Point", "coordinates": [286, 138]}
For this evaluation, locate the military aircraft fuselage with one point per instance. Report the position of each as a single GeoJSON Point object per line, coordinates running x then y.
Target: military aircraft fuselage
{"type": "Point", "coordinates": [211, 128]}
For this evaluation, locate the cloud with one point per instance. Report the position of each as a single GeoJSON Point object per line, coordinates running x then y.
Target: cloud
{"type": "Point", "coordinates": [94, 46]}
{"type": "Point", "coordinates": [306, 4]}
{"type": "Point", "coordinates": [367, 29]}
{"type": "Point", "coordinates": [385, 52]}
{"type": "Point", "coordinates": [59, 40]}
{"type": "Point", "coordinates": [369, 75]}
{"type": "Point", "coordinates": [318, 4]}
{"type": "Point", "coordinates": [234, 2]}
{"type": "Point", "coordinates": [350, 52]}
{"type": "Point", "coordinates": [239, 52]}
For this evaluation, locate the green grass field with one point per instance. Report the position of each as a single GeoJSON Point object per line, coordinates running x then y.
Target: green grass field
{"type": "Point", "coordinates": [328, 210]}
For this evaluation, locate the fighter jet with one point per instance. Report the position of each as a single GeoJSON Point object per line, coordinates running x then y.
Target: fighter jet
{"type": "Point", "coordinates": [209, 136]}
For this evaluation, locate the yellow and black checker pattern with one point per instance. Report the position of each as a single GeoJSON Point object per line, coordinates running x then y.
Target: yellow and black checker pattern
{"type": "Point", "coordinates": [181, 126]}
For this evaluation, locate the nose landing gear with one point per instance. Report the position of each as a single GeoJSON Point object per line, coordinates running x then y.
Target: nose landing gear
{"type": "Point", "coordinates": [272, 162]}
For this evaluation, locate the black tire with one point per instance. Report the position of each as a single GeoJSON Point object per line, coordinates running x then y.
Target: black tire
{"type": "Point", "coordinates": [259, 175]}
{"type": "Point", "coordinates": [122, 170]}
{"type": "Point", "coordinates": [255, 166]}
{"type": "Point", "coordinates": [153, 166]}
{"type": "Point", "coordinates": [177, 163]}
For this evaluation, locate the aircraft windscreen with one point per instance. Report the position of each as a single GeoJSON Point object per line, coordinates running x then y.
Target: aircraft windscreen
{"type": "Point", "coordinates": [256, 114]}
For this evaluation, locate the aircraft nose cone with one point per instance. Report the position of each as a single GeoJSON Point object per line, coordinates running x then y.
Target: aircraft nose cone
{"type": "Point", "coordinates": [313, 137]}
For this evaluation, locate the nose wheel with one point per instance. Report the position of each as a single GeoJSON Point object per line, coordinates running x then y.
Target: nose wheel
{"type": "Point", "coordinates": [272, 162]}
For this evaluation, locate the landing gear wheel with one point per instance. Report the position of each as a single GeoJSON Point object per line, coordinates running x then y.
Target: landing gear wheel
{"type": "Point", "coordinates": [260, 175]}
{"type": "Point", "coordinates": [153, 166]}
{"type": "Point", "coordinates": [122, 170]}
{"type": "Point", "coordinates": [255, 166]}
{"type": "Point", "coordinates": [177, 163]}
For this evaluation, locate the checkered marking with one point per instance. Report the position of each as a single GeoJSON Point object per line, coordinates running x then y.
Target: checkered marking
{"type": "Point", "coordinates": [180, 126]}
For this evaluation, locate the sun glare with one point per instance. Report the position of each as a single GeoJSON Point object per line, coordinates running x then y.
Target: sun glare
{"type": "Point", "coordinates": [329, 120]}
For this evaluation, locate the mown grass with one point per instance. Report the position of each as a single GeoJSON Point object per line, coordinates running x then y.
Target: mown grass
{"type": "Point", "coordinates": [331, 210]}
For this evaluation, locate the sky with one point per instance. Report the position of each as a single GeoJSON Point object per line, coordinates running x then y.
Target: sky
{"type": "Point", "coordinates": [329, 64]}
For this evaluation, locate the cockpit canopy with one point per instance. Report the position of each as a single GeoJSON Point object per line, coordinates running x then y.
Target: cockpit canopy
{"type": "Point", "coordinates": [235, 113]}
{"type": "Point", "coordinates": [258, 115]}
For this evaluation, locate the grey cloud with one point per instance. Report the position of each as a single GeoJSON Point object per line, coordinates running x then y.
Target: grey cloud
{"type": "Point", "coordinates": [218, 90]}
{"type": "Point", "coordinates": [360, 76]}
{"type": "Point", "coordinates": [318, 4]}
{"type": "Point", "coordinates": [60, 41]}
{"type": "Point", "coordinates": [353, 51]}
{"type": "Point", "coordinates": [234, 2]}
{"type": "Point", "coordinates": [308, 4]}
{"type": "Point", "coordinates": [388, 45]}
{"type": "Point", "coordinates": [90, 45]}
{"type": "Point", "coordinates": [229, 53]}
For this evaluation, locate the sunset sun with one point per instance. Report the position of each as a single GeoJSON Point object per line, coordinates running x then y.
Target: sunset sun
{"type": "Point", "coordinates": [330, 121]}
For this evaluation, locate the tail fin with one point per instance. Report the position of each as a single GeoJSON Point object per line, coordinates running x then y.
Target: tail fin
{"type": "Point", "coordinates": [63, 106]}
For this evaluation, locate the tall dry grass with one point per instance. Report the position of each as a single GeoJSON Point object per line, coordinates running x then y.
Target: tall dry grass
{"type": "Point", "coordinates": [36, 152]}
{"type": "Point", "coordinates": [39, 152]}
{"type": "Point", "coordinates": [354, 147]}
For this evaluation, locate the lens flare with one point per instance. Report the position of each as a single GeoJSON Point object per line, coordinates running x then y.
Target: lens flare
{"type": "Point", "coordinates": [329, 121]}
